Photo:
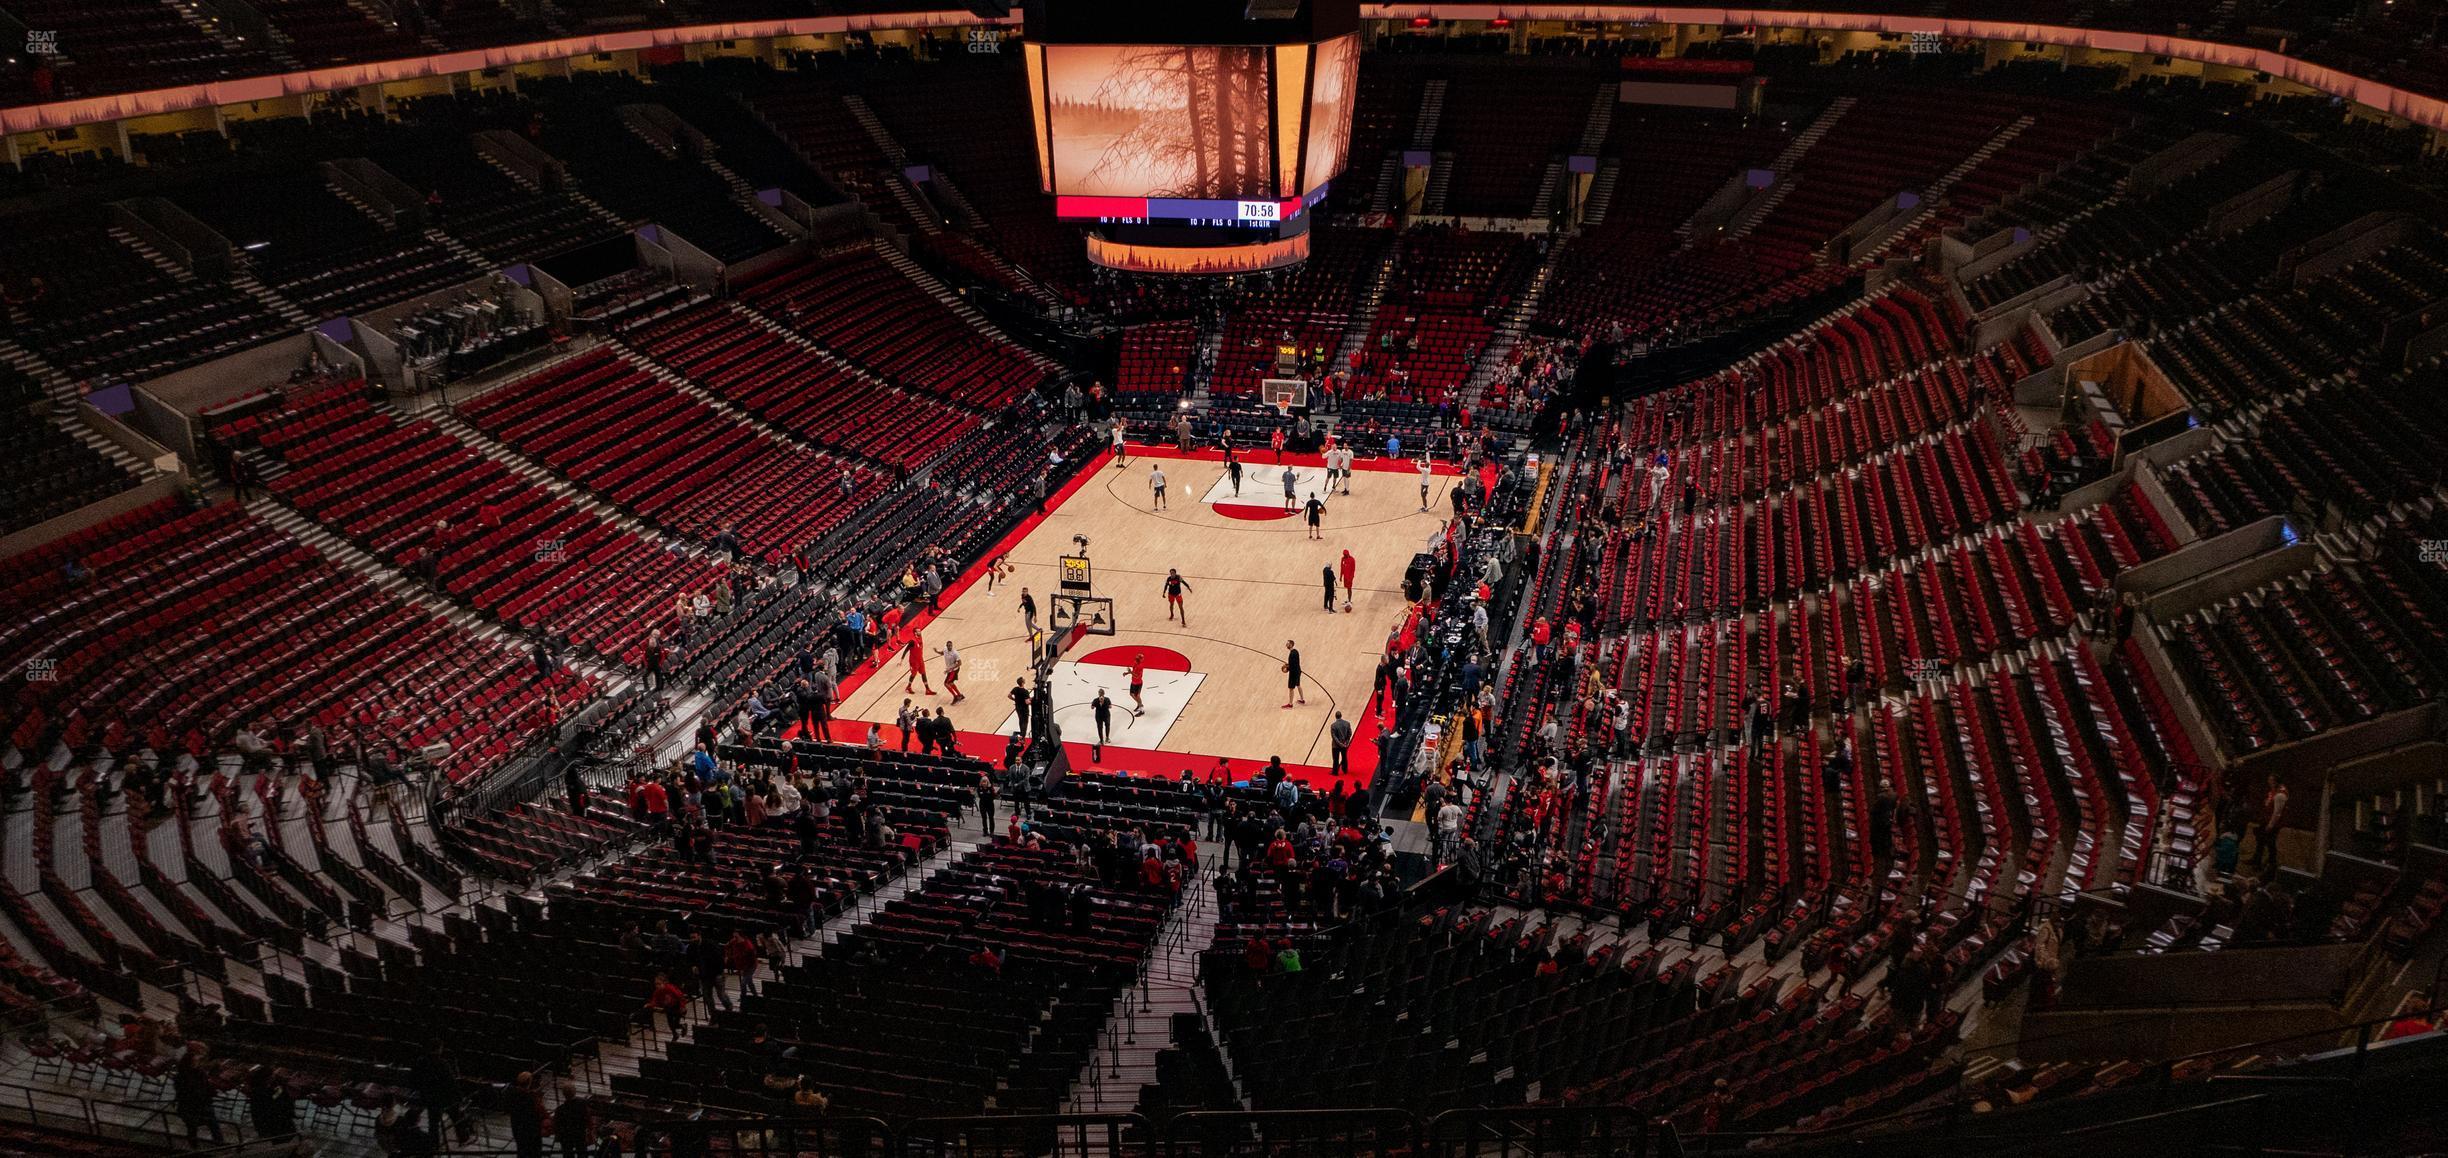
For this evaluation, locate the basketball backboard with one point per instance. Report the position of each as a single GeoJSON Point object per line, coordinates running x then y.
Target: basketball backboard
{"type": "Point", "coordinates": [1286, 394]}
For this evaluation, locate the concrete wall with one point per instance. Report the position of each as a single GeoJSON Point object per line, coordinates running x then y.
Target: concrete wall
{"type": "Point", "coordinates": [146, 450]}
{"type": "Point", "coordinates": [2349, 243]}
{"type": "Point", "coordinates": [176, 397]}
{"type": "Point", "coordinates": [2309, 974]}
{"type": "Point", "coordinates": [2057, 1035]}
{"type": "Point", "coordinates": [2217, 569]}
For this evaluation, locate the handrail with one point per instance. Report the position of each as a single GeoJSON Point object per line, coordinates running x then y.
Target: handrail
{"type": "Point", "coordinates": [2366, 1035]}
{"type": "Point", "coordinates": [144, 1115]}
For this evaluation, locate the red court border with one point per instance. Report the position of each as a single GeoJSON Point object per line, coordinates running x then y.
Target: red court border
{"type": "Point", "coordinates": [988, 746]}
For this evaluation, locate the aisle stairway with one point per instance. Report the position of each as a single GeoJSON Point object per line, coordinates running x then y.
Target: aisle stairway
{"type": "Point", "coordinates": [1787, 160]}
{"type": "Point", "coordinates": [1138, 1026]}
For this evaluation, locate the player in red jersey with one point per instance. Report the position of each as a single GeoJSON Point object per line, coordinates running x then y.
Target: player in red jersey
{"type": "Point", "coordinates": [917, 664]}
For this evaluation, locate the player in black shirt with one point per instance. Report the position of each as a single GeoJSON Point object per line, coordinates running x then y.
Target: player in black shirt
{"type": "Point", "coordinates": [1174, 585]}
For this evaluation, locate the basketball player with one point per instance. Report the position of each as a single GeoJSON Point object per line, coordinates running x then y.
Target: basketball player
{"type": "Point", "coordinates": [917, 663]}
{"type": "Point", "coordinates": [1028, 610]}
{"type": "Point", "coordinates": [1292, 674]}
{"type": "Point", "coordinates": [1232, 470]}
{"type": "Point", "coordinates": [1292, 492]}
{"type": "Point", "coordinates": [951, 668]}
{"type": "Point", "coordinates": [1102, 709]}
{"type": "Point", "coordinates": [1156, 482]}
{"type": "Point", "coordinates": [1349, 456]}
{"type": "Point", "coordinates": [1317, 515]}
{"type": "Point", "coordinates": [1138, 682]}
{"type": "Point", "coordinates": [1174, 585]}
{"type": "Point", "coordinates": [1120, 429]}
{"type": "Point", "coordinates": [1350, 569]}
{"type": "Point", "coordinates": [1425, 478]}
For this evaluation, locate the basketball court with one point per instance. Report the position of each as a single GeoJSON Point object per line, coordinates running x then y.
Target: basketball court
{"type": "Point", "coordinates": [1214, 688]}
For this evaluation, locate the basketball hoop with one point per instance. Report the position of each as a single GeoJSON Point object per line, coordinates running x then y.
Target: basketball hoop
{"type": "Point", "coordinates": [1284, 394]}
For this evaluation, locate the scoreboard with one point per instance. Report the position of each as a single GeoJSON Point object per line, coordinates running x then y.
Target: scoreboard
{"type": "Point", "coordinates": [1075, 576]}
{"type": "Point", "coordinates": [1209, 212]}
{"type": "Point", "coordinates": [1191, 136]}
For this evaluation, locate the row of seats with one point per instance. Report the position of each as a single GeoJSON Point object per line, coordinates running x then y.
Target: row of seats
{"type": "Point", "coordinates": [1442, 297]}
{"type": "Point", "coordinates": [423, 501]}
{"type": "Point", "coordinates": [960, 114]}
{"type": "Point", "coordinates": [731, 353]}
{"type": "Point", "coordinates": [907, 1016]}
{"type": "Point", "coordinates": [2353, 444]}
{"type": "Point", "coordinates": [2059, 129]}
{"type": "Point", "coordinates": [319, 251]}
{"type": "Point", "coordinates": [98, 310]}
{"type": "Point", "coordinates": [2315, 651]}
{"type": "Point", "coordinates": [1802, 537]}
{"type": "Point", "coordinates": [664, 456]}
{"type": "Point", "coordinates": [2115, 229]}
{"type": "Point", "coordinates": [1156, 359]}
{"type": "Point", "coordinates": [1884, 145]}
{"type": "Point", "coordinates": [1463, 1007]}
{"type": "Point", "coordinates": [634, 180]}
{"type": "Point", "coordinates": [1382, 111]}
{"type": "Point", "coordinates": [1504, 121]}
{"type": "Point", "coordinates": [481, 206]}
{"type": "Point", "coordinates": [1748, 845]}
{"type": "Point", "coordinates": [120, 45]}
{"type": "Point", "coordinates": [1668, 163]}
{"type": "Point", "coordinates": [323, 32]}
{"type": "Point", "coordinates": [856, 304]}
{"type": "Point", "coordinates": [1957, 603]}
{"type": "Point", "coordinates": [51, 473]}
{"type": "Point", "coordinates": [1309, 308]}
{"type": "Point", "coordinates": [272, 635]}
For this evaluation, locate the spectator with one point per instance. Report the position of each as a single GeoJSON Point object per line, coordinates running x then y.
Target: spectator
{"type": "Point", "coordinates": [2265, 841]}
{"type": "Point", "coordinates": [807, 1100]}
{"type": "Point", "coordinates": [740, 956]}
{"type": "Point", "coordinates": [191, 1093]}
{"type": "Point", "coordinates": [706, 959]}
{"type": "Point", "coordinates": [434, 1080]}
{"type": "Point", "coordinates": [270, 1109]}
{"type": "Point", "coordinates": [526, 1112]}
{"type": "Point", "coordinates": [2413, 1018]}
{"type": "Point", "coordinates": [668, 998]}
{"type": "Point", "coordinates": [573, 1121]}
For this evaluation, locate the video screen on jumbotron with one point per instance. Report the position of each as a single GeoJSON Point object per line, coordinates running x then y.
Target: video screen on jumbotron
{"type": "Point", "coordinates": [1228, 123]}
